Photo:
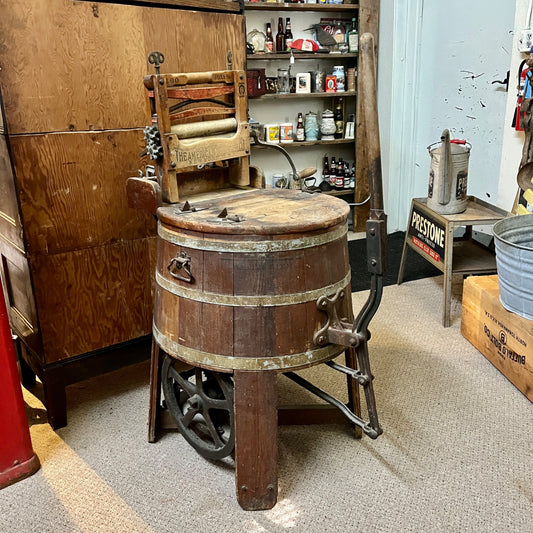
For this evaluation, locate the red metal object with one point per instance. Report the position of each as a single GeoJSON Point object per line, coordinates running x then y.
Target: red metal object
{"type": "Point", "coordinates": [17, 459]}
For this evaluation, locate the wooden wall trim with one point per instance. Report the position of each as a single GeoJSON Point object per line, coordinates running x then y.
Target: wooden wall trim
{"type": "Point", "coordinates": [229, 6]}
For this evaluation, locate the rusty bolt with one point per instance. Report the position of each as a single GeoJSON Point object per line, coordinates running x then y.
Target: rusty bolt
{"type": "Point", "coordinates": [270, 487]}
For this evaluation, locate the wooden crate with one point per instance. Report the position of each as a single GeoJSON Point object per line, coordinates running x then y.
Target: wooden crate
{"type": "Point", "coordinates": [504, 338]}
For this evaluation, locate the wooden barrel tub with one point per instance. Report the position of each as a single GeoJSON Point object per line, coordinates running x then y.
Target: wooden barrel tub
{"type": "Point", "coordinates": [239, 292]}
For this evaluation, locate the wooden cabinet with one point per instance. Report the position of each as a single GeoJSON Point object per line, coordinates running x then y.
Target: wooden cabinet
{"type": "Point", "coordinates": [277, 108]}
{"type": "Point", "coordinates": [76, 261]}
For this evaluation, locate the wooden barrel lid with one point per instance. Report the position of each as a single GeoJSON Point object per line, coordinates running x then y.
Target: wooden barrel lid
{"type": "Point", "coordinates": [263, 212]}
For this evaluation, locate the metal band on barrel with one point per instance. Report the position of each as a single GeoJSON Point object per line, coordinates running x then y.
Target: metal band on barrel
{"type": "Point", "coordinates": [282, 245]}
{"type": "Point", "coordinates": [267, 300]}
{"type": "Point", "coordinates": [225, 362]}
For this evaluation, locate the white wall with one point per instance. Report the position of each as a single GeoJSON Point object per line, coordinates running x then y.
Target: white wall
{"type": "Point", "coordinates": [437, 62]}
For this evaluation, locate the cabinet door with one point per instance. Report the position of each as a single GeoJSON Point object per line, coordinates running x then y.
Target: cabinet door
{"type": "Point", "coordinates": [72, 189]}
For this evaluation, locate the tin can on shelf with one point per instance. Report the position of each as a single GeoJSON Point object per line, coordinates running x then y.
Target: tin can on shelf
{"type": "Point", "coordinates": [338, 72]}
{"type": "Point", "coordinates": [286, 133]}
{"type": "Point", "coordinates": [272, 133]}
{"type": "Point", "coordinates": [331, 84]}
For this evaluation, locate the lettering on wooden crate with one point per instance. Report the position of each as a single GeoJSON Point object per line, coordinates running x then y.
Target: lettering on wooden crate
{"type": "Point", "coordinates": [500, 343]}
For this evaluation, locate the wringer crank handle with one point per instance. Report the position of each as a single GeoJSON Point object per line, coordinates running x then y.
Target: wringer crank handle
{"type": "Point", "coordinates": [339, 331]}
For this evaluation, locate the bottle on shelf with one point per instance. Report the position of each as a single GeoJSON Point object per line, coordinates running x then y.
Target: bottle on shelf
{"type": "Point", "coordinates": [353, 37]}
{"type": "Point", "coordinates": [288, 34]}
{"type": "Point", "coordinates": [280, 36]}
{"type": "Point", "coordinates": [300, 129]}
{"type": "Point", "coordinates": [339, 177]}
{"type": "Point", "coordinates": [332, 171]}
{"type": "Point", "coordinates": [269, 41]}
{"type": "Point", "coordinates": [339, 120]}
{"type": "Point", "coordinates": [339, 35]}
{"type": "Point", "coordinates": [347, 173]}
{"type": "Point", "coordinates": [325, 169]}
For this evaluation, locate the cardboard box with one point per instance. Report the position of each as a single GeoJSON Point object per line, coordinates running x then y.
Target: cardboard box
{"type": "Point", "coordinates": [504, 338]}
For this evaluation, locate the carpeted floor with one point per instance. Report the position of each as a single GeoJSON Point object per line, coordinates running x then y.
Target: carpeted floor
{"type": "Point", "coordinates": [456, 454]}
{"type": "Point", "coordinates": [416, 267]}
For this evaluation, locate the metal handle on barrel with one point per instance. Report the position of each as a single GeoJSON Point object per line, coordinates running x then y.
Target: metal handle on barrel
{"type": "Point", "coordinates": [181, 261]}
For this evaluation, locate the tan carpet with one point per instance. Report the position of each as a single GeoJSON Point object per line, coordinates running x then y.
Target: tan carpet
{"type": "Point", "coordinates": [456, 454]}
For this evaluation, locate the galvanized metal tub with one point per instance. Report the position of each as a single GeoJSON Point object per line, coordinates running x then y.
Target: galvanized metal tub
{"type": "Point", "coordinates": [514, 262]}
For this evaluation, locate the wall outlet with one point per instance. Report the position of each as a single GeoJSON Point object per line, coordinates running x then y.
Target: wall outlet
{"type": "Point", "coordinates": [525, 40]}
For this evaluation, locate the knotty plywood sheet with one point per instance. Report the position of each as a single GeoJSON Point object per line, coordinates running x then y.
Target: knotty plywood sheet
{"type": "Point", "coordinates": [75, 66]}
{"type": "Point", "coordinates": [73, 189]}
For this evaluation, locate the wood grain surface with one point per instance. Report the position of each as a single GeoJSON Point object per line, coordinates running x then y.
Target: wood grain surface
{"type": "Point", "coordinates": [10, 223]}
{"type": "Point", "coordinates": [230, 327]}
{"type": "Point", "coordinates": [73, 189]}
{"type": "Point", "coordinates": [368, 22]}
{"type": "Point", "coordinates": [266, 212]}
{"type": "Point", "coordinates": [92, 298]}
{"type": "Point", "coordinates": [256, 442]}
{"type": "Point", "coordinates": [77, 66]}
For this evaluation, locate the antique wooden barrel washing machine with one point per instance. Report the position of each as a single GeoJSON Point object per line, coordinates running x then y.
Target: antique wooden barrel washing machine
{"type": "Point", "coordinates": [248, 285]}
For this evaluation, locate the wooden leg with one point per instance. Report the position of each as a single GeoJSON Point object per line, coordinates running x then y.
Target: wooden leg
{"type": "Point", "coordinates": [404, 257]}
{"type": "Point", "coordinates": [55, 397]}
{"type": "Point", "coordinates": [448, 268]}
{"type": "Point", "coordinates": [27, 375]}
{"type": "Point", "coordinates": [256, 446]}
{"type": "Point", "coordinates": [354, 397]}
{"type": "Point", "coordinates": [155, 392]}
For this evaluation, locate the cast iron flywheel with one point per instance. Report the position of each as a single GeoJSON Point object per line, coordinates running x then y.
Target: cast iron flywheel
{"type": "Point", "coordinates": [201, 402]}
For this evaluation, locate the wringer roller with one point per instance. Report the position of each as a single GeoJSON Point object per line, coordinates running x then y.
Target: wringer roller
{"type": "Point", "coordinates": [227, 317]}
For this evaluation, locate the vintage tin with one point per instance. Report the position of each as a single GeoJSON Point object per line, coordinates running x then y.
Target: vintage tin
{"type": "Point", "coordinates": [286, 133]}
{"type": "Point", "coordinates": [272, 133]}
{"type": "Point", "coordinates": [331, 84]}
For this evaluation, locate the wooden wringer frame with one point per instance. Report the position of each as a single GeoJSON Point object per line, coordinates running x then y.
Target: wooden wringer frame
{"type": "Point", "coordinates": [227, 318]}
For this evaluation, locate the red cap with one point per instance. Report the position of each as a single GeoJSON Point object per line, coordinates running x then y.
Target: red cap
{"type": "Point", "coordinates": [307, 45]}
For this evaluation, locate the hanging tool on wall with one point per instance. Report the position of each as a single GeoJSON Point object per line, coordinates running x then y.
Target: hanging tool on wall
{"type": "Point", "coordinates": [524, 84]}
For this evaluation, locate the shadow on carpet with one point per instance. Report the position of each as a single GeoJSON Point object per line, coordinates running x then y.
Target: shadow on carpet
{"type": "Point", "coordinates": [416, 267]}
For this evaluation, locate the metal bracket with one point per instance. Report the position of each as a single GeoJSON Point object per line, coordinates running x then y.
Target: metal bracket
{"type": "Point", "coordinates": [223, 216]}
{"type": "Point", "coordinates": [335, 331]}
{"type": "Point", "coordinates": [182, 260]}
{"type": "Point", "coordinates": [188, 208]}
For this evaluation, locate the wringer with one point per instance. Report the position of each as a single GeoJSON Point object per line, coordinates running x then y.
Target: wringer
{"type": "Point", "coordinates": [227, 318]}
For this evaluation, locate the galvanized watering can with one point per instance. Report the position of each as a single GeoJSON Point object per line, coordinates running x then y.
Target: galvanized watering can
{"type": "Point", "coordinates": [448, 175]}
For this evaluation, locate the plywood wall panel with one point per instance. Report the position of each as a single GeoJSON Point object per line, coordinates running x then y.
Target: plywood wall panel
{"type": "Point", "coordinates": [101, 296]}
{"type": "Point", "coordinates": [76, 66]}
{"type": "Point", "coordinates": [73, 189]}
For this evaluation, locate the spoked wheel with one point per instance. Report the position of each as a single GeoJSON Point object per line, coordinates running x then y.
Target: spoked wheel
{"type": "Point", "coordinates": [201, 402]}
